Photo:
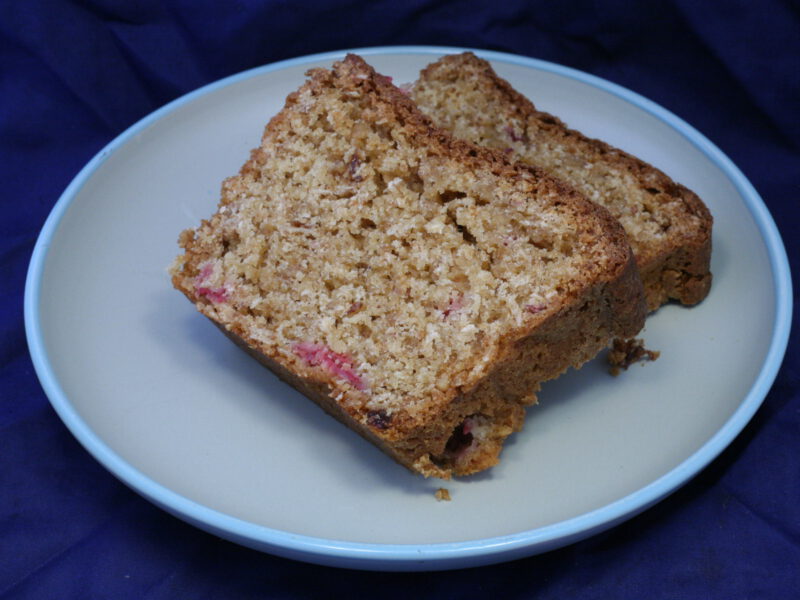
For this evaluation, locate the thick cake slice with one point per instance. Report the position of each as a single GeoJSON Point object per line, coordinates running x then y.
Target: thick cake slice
{"type": "Point", "coordinates": [417, 287]}
{"type": "Point", "coordinates": [668, 226]}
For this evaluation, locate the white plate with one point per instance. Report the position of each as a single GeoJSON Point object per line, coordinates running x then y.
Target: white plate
{"type": "Point", "coordinates": [173, 409]}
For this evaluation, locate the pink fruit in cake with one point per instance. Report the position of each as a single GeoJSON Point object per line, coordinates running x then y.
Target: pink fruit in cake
{"type": "Point", "coordinates": [354, 308]}
{"type": "Point", "coordinates": [217, 294]}
{"type": "Point", "coordinates": [461, 439]}
{"type": "Point", "coordinates": [352, 168]}
{"type": "Point", "coordinates": [455, 304]}
{"type": "Point", "coordinates": [337, 364]}
{"type": "Point", "coordinates": [515, 137]}
{"type": "Point", "coordinates": [379, 419]}
{"type": "Point", "coordinates": [535, 308]}
{"type": "Point", "coordinates": [467, 425]}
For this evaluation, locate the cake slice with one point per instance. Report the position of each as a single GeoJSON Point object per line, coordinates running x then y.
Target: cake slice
{"type": "Point", "coordinates": [417, 287]}
{"type": "Point", "coordinates": [668, 226]}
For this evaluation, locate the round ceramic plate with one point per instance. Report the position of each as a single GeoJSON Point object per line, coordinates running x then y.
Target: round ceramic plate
{"type": "Point", "coordinates": [185, 418]}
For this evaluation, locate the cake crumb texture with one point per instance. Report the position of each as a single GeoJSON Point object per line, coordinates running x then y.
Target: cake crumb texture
{"type": "Point", "coordinates": [417, 287]}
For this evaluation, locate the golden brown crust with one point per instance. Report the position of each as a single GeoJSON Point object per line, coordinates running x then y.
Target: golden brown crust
{"type": "Point", "coordinates": [457, 429]}
{"type": "Point", "coordinates": [675, 266]}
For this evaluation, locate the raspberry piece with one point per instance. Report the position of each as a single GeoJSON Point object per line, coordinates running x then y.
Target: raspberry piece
{"type": "Point", "coordinates": [379, 419]}
{"type": "Point", "coordinates": [354, 308]}
{"type": "Point", "coordinates": [218, 294]}
{"type": "Point", "coordinates": [515, 137]}
{"type": "Point", "coordinates": [215, 294]}
{"type": "Point", "coordinates": [339, 365]}
{"type": "Point", "coordinates": [535, 308]}
{"type": "Point", "coordinates": [455, 304]}
{"type": "Point", "coordinates": [352, 168]}
{"type": "Point", "coordinates": [460, 440]}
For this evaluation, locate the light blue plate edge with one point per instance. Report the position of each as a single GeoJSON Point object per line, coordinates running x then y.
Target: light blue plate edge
{"type": "Point", "coordinates": [409, 556]}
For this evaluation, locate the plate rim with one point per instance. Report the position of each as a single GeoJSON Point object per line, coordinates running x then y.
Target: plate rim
{"type": "Point", "coordinates": [435, 556]}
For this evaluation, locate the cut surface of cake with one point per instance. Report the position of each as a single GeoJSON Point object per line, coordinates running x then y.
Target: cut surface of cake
{"type": "Point", "coordinates": [417, 287]}
{"type": "Point", "coordinates": [668, 226]}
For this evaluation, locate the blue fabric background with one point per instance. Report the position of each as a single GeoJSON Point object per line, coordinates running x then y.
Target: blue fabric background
{"type": "Point", "coordinates": [74, 74]}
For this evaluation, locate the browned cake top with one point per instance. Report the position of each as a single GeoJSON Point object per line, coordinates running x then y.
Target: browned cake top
{"type": "Point", "coordinates": [463, 94]}
{"type": "Point", "coordinates": [363, 245]}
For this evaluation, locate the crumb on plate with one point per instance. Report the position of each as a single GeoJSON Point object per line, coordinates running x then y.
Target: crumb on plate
{"type": "Point", "coordinates": [442, 494]}
{"type": "Point", "coordinates": [624, 353]}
